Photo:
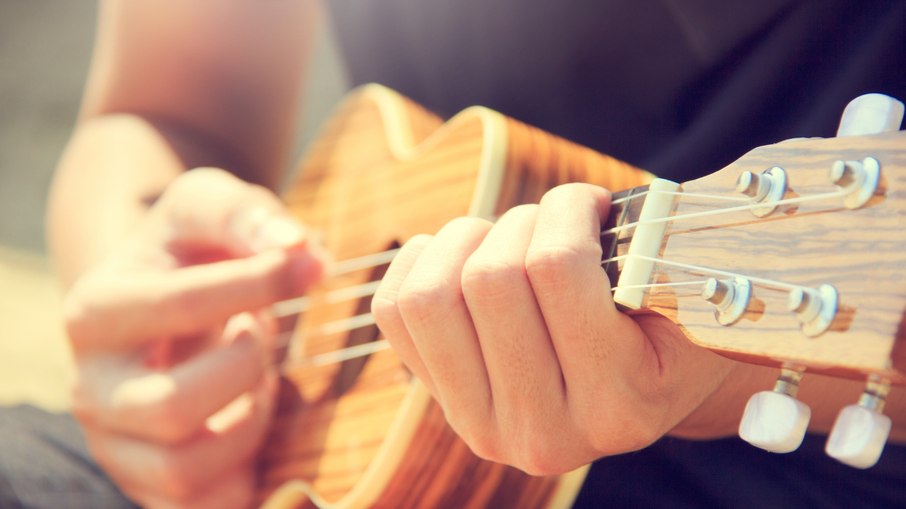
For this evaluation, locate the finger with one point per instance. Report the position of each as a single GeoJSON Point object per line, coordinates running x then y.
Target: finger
{"type": "Point", "coordinates": [117, 311]}
{"type": "Point", "coordinates": [182, 472]}
{"type": "Point", "coordinates": [435, 314]}
{"type": "Point", "coordinates": [522, 366]}
{"type": "Point", "coordinates": [169, 406]}
{"type": "Point", "coordinates": [385, 308]}
{"type": "Point", "coordinates": [208, 206]}
{"type": "Point", "coordinates": [595, 343]}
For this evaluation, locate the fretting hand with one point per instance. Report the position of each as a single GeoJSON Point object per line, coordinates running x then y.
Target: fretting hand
{"type": "Point", "coordinates": [513, 328]}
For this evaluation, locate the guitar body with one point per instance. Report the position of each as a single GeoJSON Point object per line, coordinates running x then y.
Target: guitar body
{"type": "Point", "coordinates": [364, 433]}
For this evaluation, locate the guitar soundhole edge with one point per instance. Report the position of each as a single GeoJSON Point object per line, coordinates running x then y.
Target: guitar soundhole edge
{"type": "Point", "coordinates": [351, 369]}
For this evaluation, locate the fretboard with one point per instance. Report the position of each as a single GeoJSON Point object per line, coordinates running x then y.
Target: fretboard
{"type": "Point", "coordinates": [624, 211]}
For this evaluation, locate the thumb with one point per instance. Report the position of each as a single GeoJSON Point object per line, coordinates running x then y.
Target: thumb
{"type": "Point", "coordinates": [208, 208]}
{"type": "Point", "coordinates": [254, 254]}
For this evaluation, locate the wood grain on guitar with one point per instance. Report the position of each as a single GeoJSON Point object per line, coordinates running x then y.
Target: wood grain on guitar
{"type": "Point", "coordinates": [384, 170]}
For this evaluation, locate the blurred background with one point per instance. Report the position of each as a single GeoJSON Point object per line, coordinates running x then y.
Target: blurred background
{"type": "Point", "coordinates": [45, 48]}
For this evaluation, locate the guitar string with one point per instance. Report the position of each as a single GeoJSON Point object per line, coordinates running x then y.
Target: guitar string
{"type": "Point", "coordinates": [335, 356]}
{"type": "Point", "coordinates": [366, 349]}
{"type": "Point", "coordinates": [292, 306]}
{"type": "Point", "coordinates": [632, 197]}
{"type": "Point", "coordinates": [689, 195]}
{"type": "Point", "coordinates": [658, 285]}
{"type": "Point", "coordinates": [707, 270]}
{"type": "Point", "coordinates": [362, 262]}
{"type": "Point", "coordinates": [300, 305]}
{"type": "Point", "coordinates": [367, 319]}
{"type": "Point", "coordinates": [727, 210]}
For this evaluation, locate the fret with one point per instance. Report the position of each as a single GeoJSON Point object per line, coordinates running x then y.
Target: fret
{"type": "Point", "coordinates": [624, 212]}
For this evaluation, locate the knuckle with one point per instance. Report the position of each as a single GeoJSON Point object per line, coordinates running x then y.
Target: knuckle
{"type": "Point", "coordinates": [185, 185]}
{"type": "Point", "coordinates": [486, 450]}
{"type": "Point", "coordinates": [539, 457]}
{"type": "Point", "coordinates": [419, 239]}
{"type": "Point", "coordinates": [424, 300]}
{"type": "Point", "coordinates": [484, 444]}
{"type": "Point", "coordinates": [535, 444]}
{"type": "Point", "coordinates": [549, 264]}
{"type": "Point", "coordinates": [200, 178]}
{"type": "Point", "coordinates": [260, 194]}
{"type": "Point", "coordinates": [473, 428]}
{"type": "Point", "coordinates": [525, 209]}
{"type": "Point", "coordinates": [466, 224]}
{"type": "Point", "coordinates": [252, 199]}
{"type": "Point", "coordinates": [567, 192]}
{"type": "Point", "coordinates": [490, 280]}
{"type": "Point", "coordinates": [385, 310]}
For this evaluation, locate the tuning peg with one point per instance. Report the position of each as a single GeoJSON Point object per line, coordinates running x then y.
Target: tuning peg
{"type": "Point", "coordinates": [753, 185]}
{"type": "Point", "coordinates": [858, 179]}
{"type": "Point", "coordinates": [860, 431]}
{"type": "Point", "coordinates": [768, 187]}
{"type": "Point", "coordinates": [730, 298]}
{"type": "Point", "coordinates": [870, 114]}
{"type": "Point", "coordinates": [775, 420]}
{"type": "Point", "coordinates": [814, 308]}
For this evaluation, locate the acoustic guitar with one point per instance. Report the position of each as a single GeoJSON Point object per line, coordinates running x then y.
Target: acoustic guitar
{"type": "Point", "coordinates": [755, 262]}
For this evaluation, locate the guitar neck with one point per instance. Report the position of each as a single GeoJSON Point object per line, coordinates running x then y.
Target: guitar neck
{"type": "Point", "coordinates": [625, 208]}
{"type": "Point", "coordinates": [809, 277]}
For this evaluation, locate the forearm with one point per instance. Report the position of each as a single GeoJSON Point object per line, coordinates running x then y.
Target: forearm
{"type": "Point", "coordinates": [174, 86]}
{"type": "Point", "coordinates": [114, 167]}
{"type": "Point", "coordinates": [172, 368]}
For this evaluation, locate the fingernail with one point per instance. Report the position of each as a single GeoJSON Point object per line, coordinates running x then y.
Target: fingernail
{"type": "Point", "coordinates": [258, 229]}
{"type": "Point", "coordinates": [279, 232]}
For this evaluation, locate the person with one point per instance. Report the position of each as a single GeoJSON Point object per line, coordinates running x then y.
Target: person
{"type": "Point", "coordinates": [175, 388]}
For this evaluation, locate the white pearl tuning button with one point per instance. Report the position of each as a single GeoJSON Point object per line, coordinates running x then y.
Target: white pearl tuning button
{"type": "Point", "coordinates": [774, 421]}
{"type": "Point", "coordinates": [858, 436]}
{"type": "Point", "coordinates": [860, 431]}
{"type": "Point", "coordinates": [870, 114]}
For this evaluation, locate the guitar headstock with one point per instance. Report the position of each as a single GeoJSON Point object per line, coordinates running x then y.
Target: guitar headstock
{"type": "Point", "coordinates": [793, 256]}
{"type": "Point", "coordinates": [825, 267]}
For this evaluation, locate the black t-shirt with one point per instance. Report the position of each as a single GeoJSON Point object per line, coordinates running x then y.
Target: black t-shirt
{"type": "Point", "coordinates": [680, 88]}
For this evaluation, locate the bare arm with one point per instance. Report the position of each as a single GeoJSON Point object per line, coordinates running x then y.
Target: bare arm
{"type": "Point", "coordinates": [175, 85]}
